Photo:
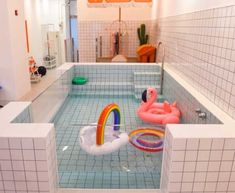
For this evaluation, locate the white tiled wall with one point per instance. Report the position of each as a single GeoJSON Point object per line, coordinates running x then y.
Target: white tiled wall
{"type": "Point", "coordinates": [198, 164]}
{"type": "Point", "coordinates": [200, 46]}
{"type": "Point", "coordinates": [88, 31]}
{"type": "Point", "coordinates": [186, 102]}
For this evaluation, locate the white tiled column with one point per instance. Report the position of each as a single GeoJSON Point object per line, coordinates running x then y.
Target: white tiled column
{"type": "Point", "coordinates": [199, 158]}
{"type": "Point", "coordinates": [28, 162]}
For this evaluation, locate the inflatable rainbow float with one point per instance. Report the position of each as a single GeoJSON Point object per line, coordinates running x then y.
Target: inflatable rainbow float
{"type": "Point", "coordinates": [99, 139]}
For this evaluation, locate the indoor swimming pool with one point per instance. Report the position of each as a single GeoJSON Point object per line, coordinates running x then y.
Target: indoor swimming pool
{"type": "Point", "coordinates": [128, 168]}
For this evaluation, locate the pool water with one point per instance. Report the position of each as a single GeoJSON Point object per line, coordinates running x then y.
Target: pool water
{"type": "Point", "coordinates": [128, 168]}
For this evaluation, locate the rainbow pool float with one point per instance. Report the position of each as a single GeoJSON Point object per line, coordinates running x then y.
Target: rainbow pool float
{"type": "Point", "coordinates": [99, 139]}
{"type": "Point", "coordinates": [138, 140]}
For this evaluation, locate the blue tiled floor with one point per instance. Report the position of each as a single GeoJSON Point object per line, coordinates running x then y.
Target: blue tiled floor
{"type": "Point", "coordinates": [128, 168]}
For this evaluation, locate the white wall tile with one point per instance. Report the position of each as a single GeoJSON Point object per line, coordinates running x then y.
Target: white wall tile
{"type": "Point", "coordinates": [229, 144]}
{"type": "Point", "coordinates": [16, 154]}
{"type": "Point", "coordinates": [210, 187]}
{"type": "Point", "coordinates": [4, 154]}
{"type": "Point", "coordinates": [43, 176]}
{"type": "Point", "coordinates": [188, 177]}
{"type": "Point", "coordinates": [203, 155]}
{"type": "Point", "coordinates": [15, 143]}
{"type": "Point", "coordinates": [189, 166]}
{"type": "Point", "coordinates": [41, 166]}
{"type": "Point", "coordinates": [205, 144]}
{"type": "Point", "coordinates": [43, 186]}
{"type": "Point", "coordinates": [174, 187]}
{"type": "Point", "coordinates": [7, 175]}
{"type": "Point", "coordinates": [18, 165]}
{"type": "Point", "coordinates": [222, 186]}
{"type": "Point", "coordinates": [20, 186]}
{"type": "Point", "coordinates": [4, 143]}
{"type": "Point", "coordinates": [231, 187]}
{"type": "Point", "coordinates": [212, 176]}
{"type": "Point", "coordinates": [32, 186]}
{"type": "Point", "coordinates": [9, 185]}
{"type": "Point", "coordinates": [28, 155]}
{"type": "Point", "coordinates": [191, 156]}
{"type": "Point", "coordinates": [228, 155]}
{"type": "Point", "coordinates": [177, 166]}
{"type": "Point", "coordinates": [40, 143]}
{"type": "Point", "coordinates": [186, 187]}
{"type": "Point", "coordinates": [192, 144]}
{"type": "Point", "coordinates": [226, 166]}
{"type": "Point", "coordinates": [224, 176]}
{"type": "Point", "coordinates": [215, 155]}
{"type": "Point", "coordinates": [179, 144]}
{"type": "Point", "coordinates": [214, 166]}
{"type": "Point", "coordinates": [198, 186]}
{"type": "Point", "coordinates": [30, 165]}
{"type": "Point", "coordinates": [31, 176]}
{"type": "Point", "coordinates": [178, 155]}
{"type": "Point", "coordinates": [200, 176]}
{"type": "Point", "coordinates": [41, 155]}
{"type": "Point", "coordinates": [5, 165]}
{"type": "Point", "coordinates": [27, 144]}
{"type": "Point", "coordinates": [19, 175]}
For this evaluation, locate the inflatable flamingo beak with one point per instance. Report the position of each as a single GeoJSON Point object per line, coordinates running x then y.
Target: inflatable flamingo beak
{"type": "Point", "coordinates": [144, 96]}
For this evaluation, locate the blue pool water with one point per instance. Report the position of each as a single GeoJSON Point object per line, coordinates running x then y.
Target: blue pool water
{"type": "Point", "coordinates": [128, 168]}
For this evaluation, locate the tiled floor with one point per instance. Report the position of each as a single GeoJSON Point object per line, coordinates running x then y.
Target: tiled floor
{"type": "Point", "coordinates": [128, 168]}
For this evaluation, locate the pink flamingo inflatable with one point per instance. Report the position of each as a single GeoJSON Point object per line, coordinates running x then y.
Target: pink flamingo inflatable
{"type": "Point", "coordinates": [157, 113]}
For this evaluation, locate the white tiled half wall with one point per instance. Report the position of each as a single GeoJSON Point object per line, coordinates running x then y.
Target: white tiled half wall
{"type": "Point", "coordinates": [28, 165]}
{"type": "Point", "coordinates": [198, 163]}
{"type": "Point", "coordinates": [28, 160]}
{"type": "Point", "coordinates": [88, 31]}
{"type": "Point", "coordinates": [200, 46]}
{"type": "Point", "coordinates": [186, 102]}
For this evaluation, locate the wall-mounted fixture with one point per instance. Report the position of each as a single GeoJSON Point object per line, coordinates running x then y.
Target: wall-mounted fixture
{"type": "Point", "coordinates": [202, 115]}
{"type": "Point", "coordinates": [16, 13]}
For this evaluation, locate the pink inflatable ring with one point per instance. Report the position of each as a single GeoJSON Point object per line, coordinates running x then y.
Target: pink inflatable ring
{"type": "Point", "coordinates": [157, 113]}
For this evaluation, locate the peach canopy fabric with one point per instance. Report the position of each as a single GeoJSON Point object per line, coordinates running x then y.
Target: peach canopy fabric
{"type": "Point", "coordinates": [120, 3]}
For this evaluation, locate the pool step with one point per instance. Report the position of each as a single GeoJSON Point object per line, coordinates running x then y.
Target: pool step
{"type": "Point", "coordinates": [147, 78]}
{"type": "Point", "coordinates": [103, 89]}
{"type": "Point", "coordinates": [143, 80]}
{"type": "Point", "coordinates": [139, 89]}
{"type": "Point", "coordinates": [103, 86]}
{"type": "Point", "coordinates": [103, 93]}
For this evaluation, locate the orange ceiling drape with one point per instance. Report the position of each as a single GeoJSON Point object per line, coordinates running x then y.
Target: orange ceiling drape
{"type": "Point", "coordinates": [95, 1]}
{"type": "Point", "coordinates": [119, 2]}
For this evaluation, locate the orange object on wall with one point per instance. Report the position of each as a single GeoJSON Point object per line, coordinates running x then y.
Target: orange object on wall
{"type": "Point", "coordinates": [117, 1]}
{"type": "Point", "coordinates": [147, 53]}
{"type": "Point", "coordinates": [143, 1]}
{"type": "Point", "coordinates": [95, 1]}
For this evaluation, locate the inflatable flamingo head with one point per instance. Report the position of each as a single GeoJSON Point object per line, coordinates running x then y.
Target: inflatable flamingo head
{"type": "Point", "coordinates": [150, 92]}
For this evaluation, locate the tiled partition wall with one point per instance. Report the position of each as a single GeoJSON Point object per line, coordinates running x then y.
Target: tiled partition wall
{"type": "Point", "coordinates": [28, 165]}
{"type": "Point", "coordinates": [186, 102]}
{"type": "Point", "coordinates": [47, 103]}
{"type": "Point", "coordinates": [200, 46]}
{"type": "Point", "coordinates": [88, 31]}
{"type": "Point", "coordinates": [198, 161]}
{"type": "Point", "coordinates": [28, 160]}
